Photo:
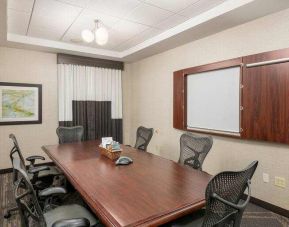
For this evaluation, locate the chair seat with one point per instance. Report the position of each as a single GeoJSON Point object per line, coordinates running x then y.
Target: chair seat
{"type": "Point", "coordinates": [68, 212]}
{"type": "Point", "coordinates": [191, 220]}
{"type": "Point", "coordinates": [52, 171]}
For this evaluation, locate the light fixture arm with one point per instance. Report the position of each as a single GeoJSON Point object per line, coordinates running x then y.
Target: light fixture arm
{"type": "Point", "coordinates": [96, 26]}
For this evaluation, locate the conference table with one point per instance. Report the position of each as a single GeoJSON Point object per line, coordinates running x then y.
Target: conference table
{"type": "Point", "coordinates": [149, 192]}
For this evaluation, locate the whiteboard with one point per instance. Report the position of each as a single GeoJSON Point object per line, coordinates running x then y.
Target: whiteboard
{"type": "Point", "coordinates": [213, 100]}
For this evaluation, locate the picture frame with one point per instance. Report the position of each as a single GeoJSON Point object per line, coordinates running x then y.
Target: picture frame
{"type": "Point", "coordinates": [20, 103]}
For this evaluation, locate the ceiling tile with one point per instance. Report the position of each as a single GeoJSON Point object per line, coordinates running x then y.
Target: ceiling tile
{"type": "Point", "coordinates": [113, 41]}
{"type": "Point", "coordinates": [126, 29]}
{"type": "Point", "coordinates": [200, 7]}
{"type": "Point", "coordinates": [139, 38]}
{"type": "Point", "coordinates": [17, 21]}
{"type": "Point", "coordinates": [53, 15]}
{"type": "Point", "coordinates": [173, 6]}
{"type": "Point", "coordinates": [171, 22]}
{"type": "Point", "coordinates": [21, 5]}
{"type": "Point", "coordinates": [148, 15]}
{"type": "Point", "coordinates": [79, 3]}
{"type": "Point", "coordinates": [118, 8]}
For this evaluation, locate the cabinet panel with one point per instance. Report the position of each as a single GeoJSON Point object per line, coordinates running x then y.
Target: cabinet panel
{"type": "Point", "coordinates": [265, 103]}
{"type": "Point", "coordinates": [179, 98]}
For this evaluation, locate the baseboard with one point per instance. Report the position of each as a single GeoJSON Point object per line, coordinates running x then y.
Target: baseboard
{"type": "Point", "coordinates": [269, 206]}
{"type": "Point", "coordinates": [9, 170]}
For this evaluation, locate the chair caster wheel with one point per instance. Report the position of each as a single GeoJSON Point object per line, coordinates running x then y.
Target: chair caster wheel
{"type": "Point", "coordinates": [7, 215]}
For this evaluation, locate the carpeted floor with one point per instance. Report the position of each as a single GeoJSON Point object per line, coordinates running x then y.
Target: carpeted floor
{"type": "Point", "coordinates": [254, 216]}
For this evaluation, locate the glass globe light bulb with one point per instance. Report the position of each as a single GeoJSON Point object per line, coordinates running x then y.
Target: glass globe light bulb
{"type": "Point", "coordinates": [87, 36]}
{"type": "Point", "coordinates": [101, 36]}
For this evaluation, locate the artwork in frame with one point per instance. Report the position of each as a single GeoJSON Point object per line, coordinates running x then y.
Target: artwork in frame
{"type": "Point", "coordinates": [20, 103]}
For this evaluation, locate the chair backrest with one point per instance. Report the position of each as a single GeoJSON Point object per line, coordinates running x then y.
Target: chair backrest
{"type": "Point", "coordinates": [16, 152]}
{"type": "Point", "coordinates": [70, 134]}
{"type": "Point", "coordinates": [230, 186]}
{"type": "Point", "coordinates": [25, 196]}
{"type": "Point", "coordinates": [194, 149]}
{"type": "Point", "coordinates": [143, 137]}
{"type": "Point", "coordinates": [16, 149]}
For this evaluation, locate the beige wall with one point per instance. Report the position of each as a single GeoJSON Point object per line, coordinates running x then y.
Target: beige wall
{"type": "Point", "coordinates": [23, 66]}
{"type": "Point", "coordinates": [148, 95]}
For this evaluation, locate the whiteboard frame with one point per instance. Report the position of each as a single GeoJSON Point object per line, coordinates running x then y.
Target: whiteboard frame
{"type": "Point", "coordinates": [212, 67]}
{"type": "Point", "coordinates": [239, 103]}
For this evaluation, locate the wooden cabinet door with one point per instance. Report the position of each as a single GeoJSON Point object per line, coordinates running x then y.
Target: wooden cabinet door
{"type": "Point", "coordinates": [265, 114]}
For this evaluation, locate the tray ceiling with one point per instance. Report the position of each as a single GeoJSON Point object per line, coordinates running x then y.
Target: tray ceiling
{"type": "Point", "coordinates": [133, 25]}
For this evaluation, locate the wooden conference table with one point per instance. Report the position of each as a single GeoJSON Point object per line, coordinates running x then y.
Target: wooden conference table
{"type": "Point", "coordinates": [150, 192]}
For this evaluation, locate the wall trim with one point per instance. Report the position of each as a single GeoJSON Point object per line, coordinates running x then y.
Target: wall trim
{"type": "Point", "coordinates": [10, 170]}
{"type": "Point", "coordinates": [270, 207]}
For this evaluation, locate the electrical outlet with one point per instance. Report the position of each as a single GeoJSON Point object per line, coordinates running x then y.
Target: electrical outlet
{"type": "Point", "coordinates": [266, 177]}
{"type": "Point", "coordinates": [280, 182]}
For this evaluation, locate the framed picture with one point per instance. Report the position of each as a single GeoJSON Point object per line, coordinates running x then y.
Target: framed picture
{"type": "Point", "coordinates": [20, 103]}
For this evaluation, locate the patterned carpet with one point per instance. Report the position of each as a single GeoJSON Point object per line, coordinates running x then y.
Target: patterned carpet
{"type": "Point", "coordinates": [254, 216]}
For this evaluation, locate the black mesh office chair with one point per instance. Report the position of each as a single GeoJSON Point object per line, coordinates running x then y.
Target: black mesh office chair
{"type": "Point", "coordinates": [143, 137]}
{"type": "Point", "coordinates": [194, 149]}
{"type": "Point", "coordinates": [31, 212]}
{"type": "Point", "coordinates": [44, 174]}
{"type": "Point", "coordinates": [224, 206]}
{"type": "Point", "coordinates": [69, 134]}
{"type": "Point", "coordinates": [41, 177]}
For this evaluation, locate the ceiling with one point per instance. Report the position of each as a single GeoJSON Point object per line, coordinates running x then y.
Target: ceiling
{"type": "Point", "coordinates": [135, 26]}
{"type": "Point", "coordinates": [129, 22]}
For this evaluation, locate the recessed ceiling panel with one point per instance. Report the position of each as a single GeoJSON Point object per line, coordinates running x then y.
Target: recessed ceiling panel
{"type": "Point", "coordinates": [18, 21]}
{"type": "Point", "coordinates": [21, 5]}
{"type": "Point", "coordinates": [139, 38]}
{"type": "Point", "coordinates": [148, 15]}
{"type": "Point", "coordinates": [117, 8]}
{"type": "Point", "coordinates": [200, 7]}
{"type": "Point", "coordinates": [126, 29]}
{"type": "Point", "coordinates": [50, 34]}
{"type": "Point", "coordinates": [79, 3]}
{"type": "Point", "coordinates": [173, 6]}
{"type": "Point", "coordinates": [50, 15]}
{"type": "Point", "coordinates": [171, 22]}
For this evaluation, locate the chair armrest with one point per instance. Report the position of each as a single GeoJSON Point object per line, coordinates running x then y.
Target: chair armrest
{"type": "Point", "coordinates": [37, 169]}
{"type": "Point", "coordinates": [76, 222]}
{"type": "Point", "coordinates": [235, 206]}
{"type": "Point", "coordinates": [33, 158]}
{"type": "Point", "coordinates": [224, 220]}
{"type": "Point", "coordinates": [52, 191]}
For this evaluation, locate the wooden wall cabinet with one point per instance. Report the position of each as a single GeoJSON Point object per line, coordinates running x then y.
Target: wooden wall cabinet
{"type": "Point", "coordinates": [264, 95]}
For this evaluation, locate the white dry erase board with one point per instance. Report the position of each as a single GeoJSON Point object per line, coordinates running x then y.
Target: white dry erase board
{"type": "Point", "coordinates": [213, 100]}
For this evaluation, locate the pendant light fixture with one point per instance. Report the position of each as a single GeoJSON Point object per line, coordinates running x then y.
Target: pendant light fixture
{"type": "Point", "coordinates": [98, 34]}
